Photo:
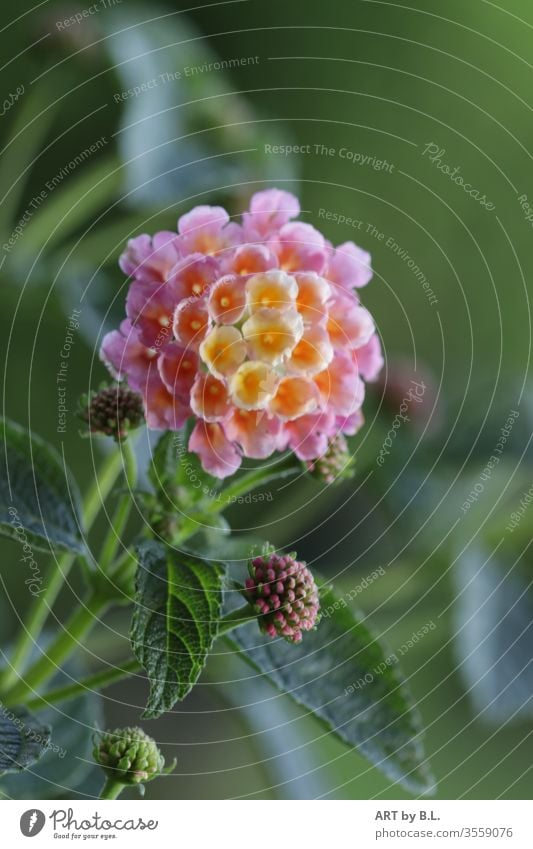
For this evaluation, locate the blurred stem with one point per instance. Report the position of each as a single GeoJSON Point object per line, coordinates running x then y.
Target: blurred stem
{"type": "Point", "coordinates": [86, 616]}
{"type": "Point", "coordinates": [122, 512]}
{"type": "Point", "coordinates": [79, 624]}
{"type": "Point", "coordinates": [39, 610]}
{"type": "Point", "coordinates": [250, 481]}
{"type": "Point", "coordinates": [61, 648]}
{"type": "Point", "coordinates": [123, 572]}
{"type": "Point", "coordinates": [98, 681]}
{"type": "Point", "coordinates": [112, 789]}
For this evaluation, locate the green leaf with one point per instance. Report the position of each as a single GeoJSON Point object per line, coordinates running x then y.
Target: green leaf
{"type": "Point", "coordinates": [23, 147]}
{"type": "Point", "coordinates": [175, 620]}
{"type": "Point", "coordinates": [39, 500]}
{"type": "Point", "coordinates": [326, 674]}
{"type": "Point", "coordinates": [23, 739]}
{"type": "Point", "coordinates": [189, 500]}
{"type": "Point", "coordinates": [181, 487]}
{"type": "Point", "coordinates": [84, 194]}
{"type": "Point", "coordinates": [176, 474]}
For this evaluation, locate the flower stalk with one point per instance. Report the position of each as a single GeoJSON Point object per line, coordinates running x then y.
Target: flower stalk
{"type": "Point", "coordinates": [99, 599]}
{"type": "Point", "coordinates": [41, 607]}
{"type": "Point", "coordinates": [112, 789]}
{"type": "Point", "coordinates": [98, 681]}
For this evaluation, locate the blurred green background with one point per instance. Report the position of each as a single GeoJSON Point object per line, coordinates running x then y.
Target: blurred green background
{"type": "Point", "coordinates": [384, 81]}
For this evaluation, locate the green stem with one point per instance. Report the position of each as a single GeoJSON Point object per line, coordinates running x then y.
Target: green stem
{"type": "Point", "coordinates": [120, 517]}
{"type": "Point", "coordinates": [85, 617]}
{"type": "Point", "coordinates": [122, 577]}
{"type": "Point", "coordinates": [36, 618]}
{"type": "Point", "coordinates": [68, 640]}
{"type": "Point", "coordinates": [236, 618]}
{"type": "Point", "coordinates": [97, 681]}
{"type": "Point", "coordinates": [250, 481]}
{"type": "Point", "coordinates": [112, 789]}
{"type": "Point", "coordinates": [39, 610]}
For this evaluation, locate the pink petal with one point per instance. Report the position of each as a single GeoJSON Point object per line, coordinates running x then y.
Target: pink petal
{"type": "Point", "coordinates": [218, 456]}
{"type": "Point", "coordinates": [151, 258]}
{"type": "Point", "coordinates": [206, 230]}
{"type": "Point", "coordinates": [269, 211]}
{"type": "Point", "coordinates": [308, 436]}
{"type": "Point", "coordinates": [150, 309]}
{"type": "Point", "coordinates": [209, 398]}
{"type": "Point", "coordinates": [125, 355]}
{"type": "Point", "coordinates": [212, 217]}
{"type": "Point", "coordinates": [299, 247]}
{"type": "Point", "coordinates": [227, 299]}
{"type": "Point", "coordinates": [163, 410]}
{"type": "Point", "coordinates": [191, 322]}
{"type": "Point", "coordinates": [349, 266]}
{"type": "Point", "coordinates": [350, 425]}
{"type": "Point", "coordinates": [250, 259]}
{"type": "Point", "coordinates": [369, 359]}
{"type": "Point", "coordinates": [349, 324]}
{"type": "Point", "coordinates": [194, 275]}
{"type": "Point", "coordinates": [256, 432]}
{"type": "Point", "coordinates": [340, 386]}
{"type": "Point", "coordinates": [178, 368]}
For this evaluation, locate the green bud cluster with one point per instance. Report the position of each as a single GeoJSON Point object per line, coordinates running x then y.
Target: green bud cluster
{"type": "Point", "coordinates": [128, 755]}
{"type": "Point", "coordinates": [336, 463]}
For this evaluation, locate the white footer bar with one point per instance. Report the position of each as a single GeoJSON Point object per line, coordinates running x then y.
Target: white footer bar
{"type": "Point", "coordinates": [267, 825]}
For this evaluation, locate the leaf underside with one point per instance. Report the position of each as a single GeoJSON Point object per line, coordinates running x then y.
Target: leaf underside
{"type": "Point", "coordinates": [23, 739]}
{"type": "Point", "coordinates": [326, 674]}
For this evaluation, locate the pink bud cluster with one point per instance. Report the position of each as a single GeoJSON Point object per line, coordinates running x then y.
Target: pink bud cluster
{"type": "Point", "coordinates": [283, 592]}
{"type": "Point", "coordinates": [253, 329]}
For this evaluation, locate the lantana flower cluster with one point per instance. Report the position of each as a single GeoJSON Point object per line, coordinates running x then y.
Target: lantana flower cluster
{"type": "Point", "coordinates": [253, 328]}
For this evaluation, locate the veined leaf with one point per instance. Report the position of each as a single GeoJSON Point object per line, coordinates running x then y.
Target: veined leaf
{"type": "Point", "coordinates": [175, 620]}
{"type": "Point", "coordinates": [39, 500]}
